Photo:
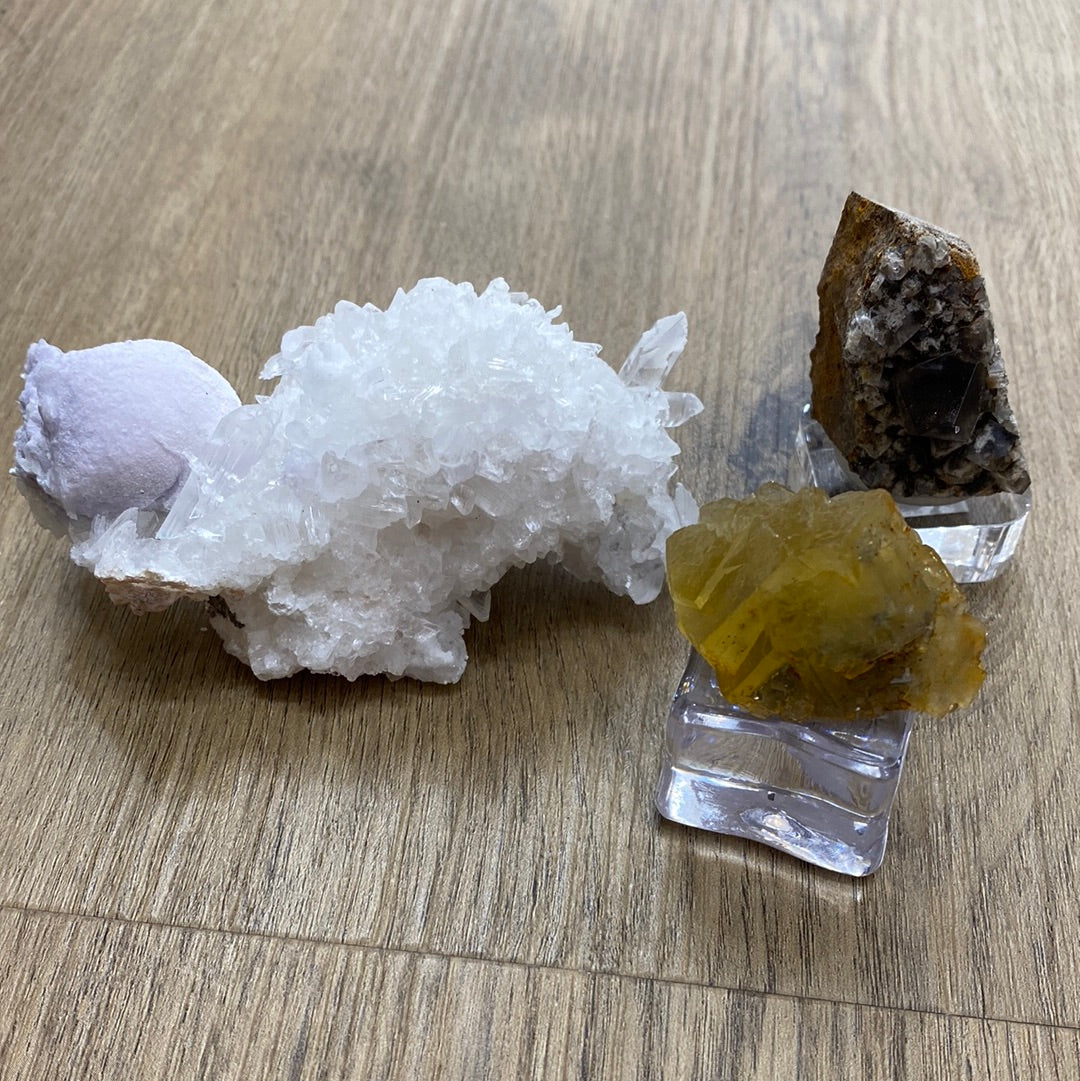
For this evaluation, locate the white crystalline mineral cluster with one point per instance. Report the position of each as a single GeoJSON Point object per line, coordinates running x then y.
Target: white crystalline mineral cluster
{"type": "Point", "coordinates": [354, 519]}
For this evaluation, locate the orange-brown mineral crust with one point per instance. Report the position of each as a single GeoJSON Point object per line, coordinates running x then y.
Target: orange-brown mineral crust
{"type": "Point", "coordinates": [810, 607]}
{"type": "Point", "coordinates": [907, 375]}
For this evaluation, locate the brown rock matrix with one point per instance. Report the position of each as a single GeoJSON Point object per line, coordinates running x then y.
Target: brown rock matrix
{"type": "Point", "coordinates": [907, 375]}
{"type": "Point", "coordinates": [816, 608]}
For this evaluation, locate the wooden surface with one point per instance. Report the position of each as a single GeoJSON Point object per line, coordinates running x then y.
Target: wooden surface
{"type": "Point", "coordinates": [205, 876]}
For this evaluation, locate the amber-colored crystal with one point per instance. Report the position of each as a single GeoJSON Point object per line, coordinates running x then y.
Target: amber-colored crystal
{"type": "Point", "coordinates": [810, 607]}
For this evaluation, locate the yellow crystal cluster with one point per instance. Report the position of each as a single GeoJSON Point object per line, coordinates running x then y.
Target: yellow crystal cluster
{"type": "Point", "coordinates": [809, 607]}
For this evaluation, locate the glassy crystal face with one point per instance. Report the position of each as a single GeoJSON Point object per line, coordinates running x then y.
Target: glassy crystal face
{"type": "Point", "coordinates": [811, 607]}
{"type": "Point", "coordinates": [975, 537]}
{"type": "Point", "coordinates": [940, 400]}
{"type": "Point", "coordinates": [821, 791]}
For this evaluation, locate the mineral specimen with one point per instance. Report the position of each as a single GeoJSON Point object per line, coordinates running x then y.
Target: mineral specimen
{"type": "Point", "coordinates": [808, 607]}
{"type": "Point", "coordinates": [354, 519]}
{"type": "Point", "coordinates": [907, 375]}
{"type": "Point", "coordinates": [109, 428]}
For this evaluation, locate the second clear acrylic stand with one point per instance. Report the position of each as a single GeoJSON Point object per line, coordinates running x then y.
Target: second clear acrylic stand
{"type": "Point", "coordinates": [976, 538]}
{"type": "Point", "coordinates": [821, 791]}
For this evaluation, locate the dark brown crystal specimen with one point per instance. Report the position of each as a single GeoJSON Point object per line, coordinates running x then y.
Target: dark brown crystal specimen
{"type": "Point", "coordinates": [907, 376]}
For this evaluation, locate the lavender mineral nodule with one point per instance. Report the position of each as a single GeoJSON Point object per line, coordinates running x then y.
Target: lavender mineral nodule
{"type": "Point", "coordinates": [112, 427]}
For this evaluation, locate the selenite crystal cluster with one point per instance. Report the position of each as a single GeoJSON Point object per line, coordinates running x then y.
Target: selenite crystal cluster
{"type": "Point", "coordinates": [908, 379]}
{"type": "Point", "coordinates": [813, 608]}
{"type": "Point", "coordinates": [354, 519]}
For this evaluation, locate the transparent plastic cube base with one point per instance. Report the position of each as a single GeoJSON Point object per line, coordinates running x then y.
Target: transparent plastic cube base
{"type": "Point", "coordinates": [821, 791]}
{"type": "Point", "coordinates": [975, 538]}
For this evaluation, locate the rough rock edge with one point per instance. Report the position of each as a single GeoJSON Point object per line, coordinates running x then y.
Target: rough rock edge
{"type": "Point", "coordinates": [148, 593]}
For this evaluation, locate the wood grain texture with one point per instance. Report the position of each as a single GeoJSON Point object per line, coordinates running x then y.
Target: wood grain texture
{"type": "Point", "coordinates": [95, 998]}
{"type": "Point", "coordinates": [218, 173]}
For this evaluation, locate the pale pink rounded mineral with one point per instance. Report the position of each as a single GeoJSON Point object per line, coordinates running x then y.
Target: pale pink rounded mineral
{"type": "Point", "coordinates": [110, 428]}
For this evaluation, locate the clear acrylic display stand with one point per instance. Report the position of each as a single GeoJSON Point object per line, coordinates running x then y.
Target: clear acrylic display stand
{"type": "Point", "coordinates": [821, 791]}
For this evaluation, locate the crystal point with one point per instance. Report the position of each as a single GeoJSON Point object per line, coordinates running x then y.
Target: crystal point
{"type": "Point", "coordinates": [908, 379]}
